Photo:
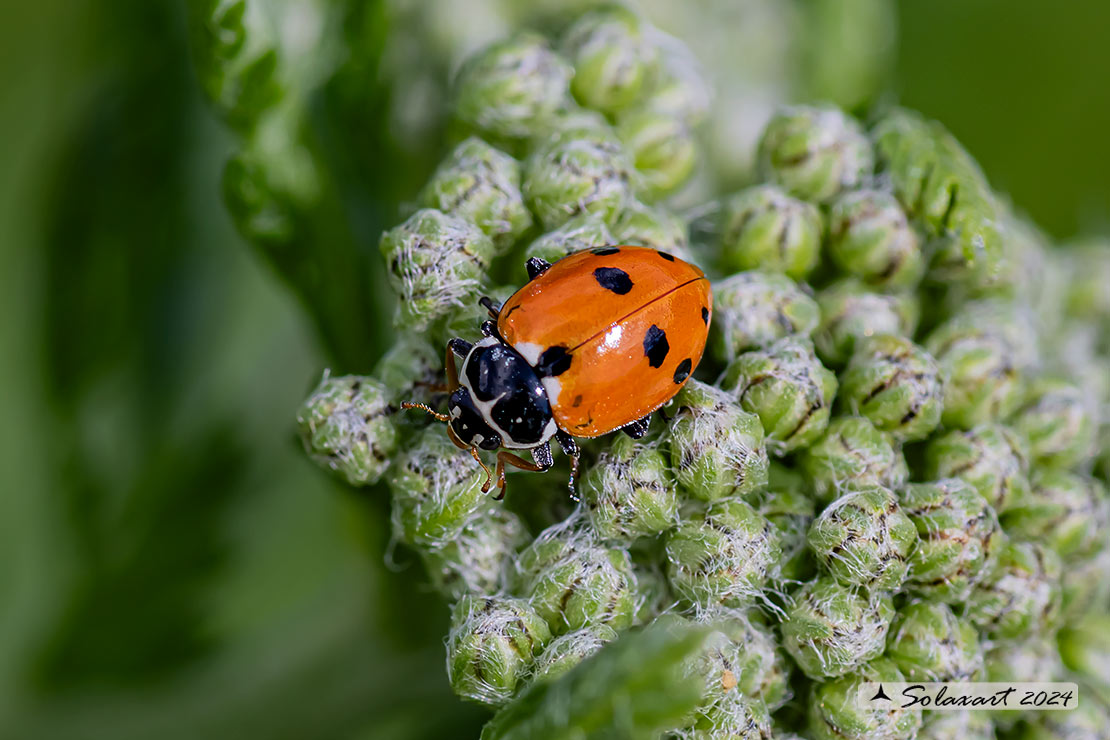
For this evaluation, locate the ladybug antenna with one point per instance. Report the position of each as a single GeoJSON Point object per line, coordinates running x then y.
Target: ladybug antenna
{"type": "Point", "coordinates": [426, 409]}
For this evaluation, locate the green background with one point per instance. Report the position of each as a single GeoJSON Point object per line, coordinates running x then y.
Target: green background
{"type": "Point", "coordinates": [171, 565]}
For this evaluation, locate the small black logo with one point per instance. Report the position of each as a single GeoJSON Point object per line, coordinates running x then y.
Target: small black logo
{"type": "Point", "coordinates": [880, 694]}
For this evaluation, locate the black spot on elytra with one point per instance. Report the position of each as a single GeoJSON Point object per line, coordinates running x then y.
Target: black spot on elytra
{"type": "Point", "coordinates": [614, 279]}
{"type": "Point", "coordinates": [667, 256]}
{"type": "Point", "coordinates": [705, 315]}
{"type": "Point", "coordinates": [683, 370]}
{"type": "Point", "coordinates": [656, 346]}
{"type": "Point", "coordinates": [605, 251]}
{"type": "Point", "coordinates": [577, 401]}
{"type": "Point", "coordinates": [554, 361]}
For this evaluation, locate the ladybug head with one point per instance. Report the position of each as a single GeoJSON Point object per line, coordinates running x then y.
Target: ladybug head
{"type": "Point", "coordinates": [468, 422]}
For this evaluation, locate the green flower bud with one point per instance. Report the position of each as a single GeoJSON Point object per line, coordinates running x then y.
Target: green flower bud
{"type": "Point", "coordinates": [482, 185]}
{"type": "Point", "coordinates": [836, 712]}
{"type": "Point", "coordinates": [870, 237]}
{"type": "Point", "coordinates": [653, 593]}
{"type": "Point", "coordinates": [716, 447]}
{"type": "Point", "coordinates": [788, 388]}
{"type": "Point", "coordinates": [1039, 275]}
{"type": "Point", "coordinates": [981, 365]}
{"type": "Point", "coordinates": [752, 310]}
{"type": "Point", "coordinates": [681, 90]}
{"type": "Point", "coordinates": [736, 717]}
{"type": "Point", "coordinates": [649, 226]}
{"type": "Point", "coordinates": [785, 478]}
{"type": "Point", "coordinates": [959, 538]}
{"type": "Point", "coordinates": [662, 148]}
{"type": "Point", "coordinates": [1021, 596]}
{"type": "Point", "coordinates": [724, 556]}
{"type": "Point", "coordinates": [864, 539]}
{"type": "Point", "coordinates": [630, 491]}
{"type": "Point", "coordinates": [437, 489]}
{"type": "Point", "coordinates": [491, 646]}
{"type": "Point", "coordinates": [1084, 648]}
{"type": "Point", "coordinates": [1087, 268]}
{"type": "Point", "coordinates": [850, 313]}
{"type": "Point", "coordinates": [1085, 588]}
{"type": "Point", "coordinates": [613, 63]}
{"type": "Point", "coordinates": [830, 629]}
{"type": "Point", "coordinates": [566, 176]}
{"type": "Point", "coordinates": [475, 562]}
{"type": "Point", "coordinates": [990, 457]}
{"type": "Point", "coordinates": [436, 263]}
{"type": "Point", "coordinates": [574, 582]}
{"type": "Point", "coordinates": [512, 87]}
{"type": "Point", "coordinates": [815, 153]}
{"type": "Point", "coordinates": [742, 656]}
{"type": "Point", "coordinates": [896, 384]}
{"type": "Point", "coordinates": [928, 642]}
{"type": "Point", "coordinates": [1057, 420]}
{"type": "Point", "coordinates": [463, 321]}
{"type": "Point", "coordinates": [764, 228]}
{"type": "Point", "coordinates": [1032, 659]}
{"type": "Point", "coordinates": [962, 725]}
{"type": "Point", "coordinates": [584, 231]}
{"type": "Point", "coordinates": [345, 426]}
{"type": "Point", "coordinates": [573, 124]}
{"type": "Point", "coordinates": [852, 455]}
{"type": "Point", "coordinates": [792, 513]}
{"type": "Point", "coordinates": [939, 183]}
{"type": "Point", "coordinates": [567, 651]}
{"type": "Point", "coordinates": [1088, 721]}
{"type": "Point", "coordinates": [1073, 350]}
{"type": "Point", "coordinates": [1065, 511]}
{"type": "Point", "coordinates": [408, 370]}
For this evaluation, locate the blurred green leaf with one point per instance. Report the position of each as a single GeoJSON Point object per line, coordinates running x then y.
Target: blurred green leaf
{"type": "Point", "coordinates": [142, 507]}
{"type": "Point", "coordinates": [632, 688]}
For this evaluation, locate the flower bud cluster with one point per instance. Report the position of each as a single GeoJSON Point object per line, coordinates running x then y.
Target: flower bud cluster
{"type": "Point", "coordinates": [879, 472]}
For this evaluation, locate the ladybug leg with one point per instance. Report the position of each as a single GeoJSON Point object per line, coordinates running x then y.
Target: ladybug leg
{"type": "Point", "coordinates": [542, 456]}
{"type": "Point", "coordinates": [504, 458]}
{"type": "Point", "coordinates": [638, 428]}
{"type": "Point", "coordinates": [567, 444]}
{"type": "Point", "coordinates": [573, 477]}
{"type": "Point", "coordinates": [494, 309]}
{"type": "Point", "coordinates": [473, 453]}
{"type": "Point", "coordinates": [536, 267]}
{"type": "Point", "coordinates": [459, 347]}
{"type": "Point", "coordinates": [571, 450]}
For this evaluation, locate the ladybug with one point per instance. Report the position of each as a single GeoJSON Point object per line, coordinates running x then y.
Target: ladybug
{"type": "Point", "coordinates": [593, 343]}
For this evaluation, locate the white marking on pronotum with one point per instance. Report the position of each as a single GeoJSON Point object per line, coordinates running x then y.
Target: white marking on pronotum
{"type": "Point", "coordinates": [552, 386]}
{"type": "Point", "coordinates": [485, 408]}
